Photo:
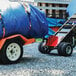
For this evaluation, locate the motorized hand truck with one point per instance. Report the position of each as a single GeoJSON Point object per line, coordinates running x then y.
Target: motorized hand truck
{"type": "Point", "coordinates": [64, 39]}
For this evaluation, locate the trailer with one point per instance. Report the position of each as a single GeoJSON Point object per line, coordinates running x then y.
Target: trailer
{"type": "Point", "coordinates": [19, 21]}
{"type": "Point", "coordinates": [64, 40]}
{"type": "Point", "coordinates": [11, 48]}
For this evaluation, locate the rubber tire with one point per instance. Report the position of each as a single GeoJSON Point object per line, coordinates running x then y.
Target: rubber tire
{"type": "Point", "coordinates": [59, 48]}
{"type": "Point", "coordinates": [62, 49]}
{"type": "Point", "coordinates": [42, 50]}
{"type": "Point", "coordinates": [4, 57]}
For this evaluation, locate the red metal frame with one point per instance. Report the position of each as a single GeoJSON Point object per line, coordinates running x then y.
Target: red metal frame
{"type": "Point", "coordinates": [27, 41]}
{"type": "Point", "coordinates": [54, 41]}
{"type": "Point", "coordinates": [55, 29]}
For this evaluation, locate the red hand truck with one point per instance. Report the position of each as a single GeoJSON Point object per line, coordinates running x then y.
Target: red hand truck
{"type": "Point", "coordinates": [63, 40]}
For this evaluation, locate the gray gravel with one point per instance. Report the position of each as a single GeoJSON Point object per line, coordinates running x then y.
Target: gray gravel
{"type": "Point", "coordinates": [34, 63]}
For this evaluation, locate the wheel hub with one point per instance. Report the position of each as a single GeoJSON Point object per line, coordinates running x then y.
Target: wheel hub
{"type": "Point", "coordinates": [68, 50]}
{"type": "Point", "coordinates": [13, 51]}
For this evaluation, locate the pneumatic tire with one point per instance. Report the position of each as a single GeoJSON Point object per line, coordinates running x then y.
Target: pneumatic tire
{"type": "Point", "coordinates": [11, 52]}
{"type": "Point", "coordinates": [65, 49]}
{"type": "Point", "coordinates": [43, 48]}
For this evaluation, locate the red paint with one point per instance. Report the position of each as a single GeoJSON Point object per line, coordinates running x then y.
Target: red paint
{"type": "Point", "coordinates": [54, 40]}
{"type": "Point", "coordinates": [55, 28]}
{"type": "Point", "coordinates": [27, 41]}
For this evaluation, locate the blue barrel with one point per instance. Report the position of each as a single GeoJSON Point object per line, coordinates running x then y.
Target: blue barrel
{"type": "Point", "coordinates": [17, 21]}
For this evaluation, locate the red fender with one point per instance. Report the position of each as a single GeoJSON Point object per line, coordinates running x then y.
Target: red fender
{"type": "Point", "coordinates": [26, 41]}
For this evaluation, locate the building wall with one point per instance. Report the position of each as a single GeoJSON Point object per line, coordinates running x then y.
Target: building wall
{"type": "Point", "coordinates": [53, 8]}
{"type": "Point", "coordinates": [53, 12]}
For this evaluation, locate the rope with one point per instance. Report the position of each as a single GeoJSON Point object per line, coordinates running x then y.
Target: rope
{"type": "Point", "coordinates": [3, 32]}
{"type": "Point", "coordinates": [3, 28]}
{"type": "Point", "coordinates": [28, 12]}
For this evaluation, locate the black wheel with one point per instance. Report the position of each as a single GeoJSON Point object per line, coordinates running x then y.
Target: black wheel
{"type": "Point", "coordinates": [65, 49]}
{"type": "Point", "coordinates": [11, 52]}
{"type": "Point", "coordinates": [43, 48]}
{"type": "Point", "coordinates": [71, 40]}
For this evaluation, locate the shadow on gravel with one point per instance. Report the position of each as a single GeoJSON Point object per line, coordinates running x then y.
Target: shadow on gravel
{"type": "Point", "coordinates": [53, 54]}
{"type": "Point", "coordinates": [28, 59]}
{"type": "Point", "coordinates": [23, 60]}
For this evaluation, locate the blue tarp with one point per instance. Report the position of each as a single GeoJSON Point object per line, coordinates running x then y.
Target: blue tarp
{"type": "Point", "coordinates": [53, 22]}
{"type": "Point", "coordinates": [71, 9]}
{"type": "Point", "coordinates": [17, 21]}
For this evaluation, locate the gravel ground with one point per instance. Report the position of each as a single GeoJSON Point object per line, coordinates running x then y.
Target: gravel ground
{"type": "Point", "coordinates": [34, 63]}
